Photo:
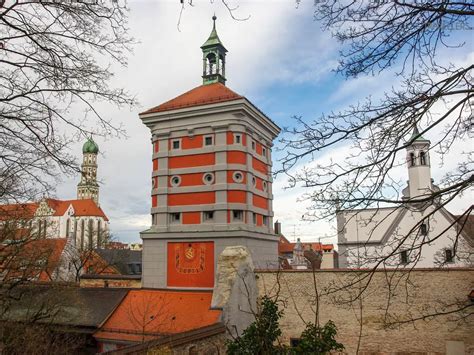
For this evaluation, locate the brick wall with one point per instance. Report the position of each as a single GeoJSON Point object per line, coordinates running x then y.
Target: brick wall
{"type": "Point", "coordinates": [418, 293]}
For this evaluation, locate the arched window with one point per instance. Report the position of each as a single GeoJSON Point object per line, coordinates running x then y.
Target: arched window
{"type": "Point", "coordinates": [423, 158]}
{"type": "Point", "coordinates": [90, 233]}
{"type": "Point", "coordinates": [44, 228]}
{"type": "Point", "coordinates": [83, 227]}
{"type": "Point", "coordinates": [99, 237]}
{"type": "Point", "coordinates": [411, 160]}
{"type": "Point", "coordinates": [40, 222]}
{"type": "Point", "coordinates": [211, 67]}
{"type": "Point", "coordinates": [68, 227]}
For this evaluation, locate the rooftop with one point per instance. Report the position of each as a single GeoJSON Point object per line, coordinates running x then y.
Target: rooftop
{"type": "Point", "coordinates": [147, 314]}
{"type": "Point", "coordinates": [201, 95]}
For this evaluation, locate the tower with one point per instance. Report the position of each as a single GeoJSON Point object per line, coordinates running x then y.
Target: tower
{"type": "Point", "coordinates": [418, 161]}
{"type": "Point", "coordinates": [213, 57]}
{"type": "Point", "coordinates": [211, 180]}
{"type": "Point", "coordinates": [88, 188]}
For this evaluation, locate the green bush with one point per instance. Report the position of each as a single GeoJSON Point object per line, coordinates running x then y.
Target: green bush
{"type": "Point", "coordinates": [261, 336]}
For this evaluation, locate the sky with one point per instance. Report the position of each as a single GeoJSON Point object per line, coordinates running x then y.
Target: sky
{"type": "Point", "coordinates": [278, 58]}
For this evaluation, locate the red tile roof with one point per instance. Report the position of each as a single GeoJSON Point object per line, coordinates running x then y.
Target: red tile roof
{"type": "Point", "coordinates": [33, 259]}
{"type": "Point", "coordinates": [201, 95]}
{"type": "Point", "coordinates": [17, 211]}
{"type": "Point", "coordinates": [27, 210]}
{"type": "Point", "coordinates": [147, 314]}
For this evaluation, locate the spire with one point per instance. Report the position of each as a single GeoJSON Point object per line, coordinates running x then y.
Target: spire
{"type": "Point", "coordinates": [213, 58]}
{"type": "Point", "coordinates": [416, 134]}
{"type": "Point", "coordinates": [213, 39]}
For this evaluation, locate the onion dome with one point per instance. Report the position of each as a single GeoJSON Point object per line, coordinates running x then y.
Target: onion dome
{"type": "Point", "coordinates": [90, 147]}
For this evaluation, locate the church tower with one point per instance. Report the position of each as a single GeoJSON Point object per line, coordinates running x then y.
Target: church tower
{"type": "Point", "coordinates": [419, 170]}
{"type": "Point", "coordinates": [211, 180]}
{"type": "Point", "coordinates": [88, 188]}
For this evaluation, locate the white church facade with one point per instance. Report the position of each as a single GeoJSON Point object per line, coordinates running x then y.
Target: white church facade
{"type": "Point", "coordinates": [417, 233]}
{"type": "Point", "coordinates": [81, 221]}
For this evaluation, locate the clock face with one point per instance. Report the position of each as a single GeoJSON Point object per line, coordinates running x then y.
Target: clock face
{"type": "Point", "coordinates": [191, 264]}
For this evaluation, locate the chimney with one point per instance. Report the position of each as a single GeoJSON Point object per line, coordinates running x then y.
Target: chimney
{"type": "Point", "coordinates": [277, 228]}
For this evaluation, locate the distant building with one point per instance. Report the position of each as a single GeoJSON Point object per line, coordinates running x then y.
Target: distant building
{"type": "Point", "coordinates": [294, 253]}
{"type": "Point", "coordinates": [365, 236]}
{"type": "Point", "coordinates": [51, 232]}
{"type": "Point", "coordinates": [113, 268]}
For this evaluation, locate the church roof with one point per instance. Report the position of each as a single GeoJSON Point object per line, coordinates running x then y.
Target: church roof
{"type": "Point", "coordinates": [33, 259]}
{"type": "Point", "coordinates": [84, 208]}
{"type": "Point", "coordinates": [201, 95]}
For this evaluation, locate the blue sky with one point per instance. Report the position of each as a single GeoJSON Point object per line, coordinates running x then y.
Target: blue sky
{"type": "Point", "coordinates": [278, 58]}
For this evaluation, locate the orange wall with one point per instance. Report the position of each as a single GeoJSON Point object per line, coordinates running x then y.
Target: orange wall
{"type": "Point", "coordinates": [191, 142]}
{"type": "Point", "coordinates": [189, 161]}
{"type": "Point", "coordinates": [260, 202]}
{"type": "Point", "coordinates": [155, 164]}
{"type": "Point", "coordinates": [190, 264]}
{"type": "Point", "coordinates": [156, 146]}
{"type": "Point", "coordinates": [236, 197]}
{"type": "Point", "coordinates": [191, 217]}
{"type": "Point", "coordinates": [259, 220]}
{"type": "Point", "coordinates": [193, 198]}
{"type": "Point", "coordinates": [189, 179]}
{"type": "Point", "coordinates": [259, 149]}
{"type": "Point", "coordinates": [259, 184]}
{"type": "Point", "coordinates": [154, 201]}
{"type": "Point", "coordinates": [259, 166]}
{"type": "Point", "coordinates": [234, 157]}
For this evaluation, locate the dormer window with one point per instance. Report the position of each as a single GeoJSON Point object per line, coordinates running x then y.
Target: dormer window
{"type": "Point", "coordinates": [423, 158]}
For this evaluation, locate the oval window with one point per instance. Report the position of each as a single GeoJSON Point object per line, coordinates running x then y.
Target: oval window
{"type": "Point", "coordinates": [175, 181]}
{"type": "Point", "coordinates": [238, 177]}
{"type": "Point", "coordinates": [208, 178]}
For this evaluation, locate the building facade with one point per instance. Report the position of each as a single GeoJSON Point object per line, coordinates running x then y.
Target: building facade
{"type": "Point", "coordinates": [414, 234]}
{"type": "Point", "coordinates": [211, 181]}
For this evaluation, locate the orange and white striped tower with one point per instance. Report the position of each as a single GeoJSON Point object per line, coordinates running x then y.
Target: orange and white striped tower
{"type": "Point", "coordinates": [212, 182]}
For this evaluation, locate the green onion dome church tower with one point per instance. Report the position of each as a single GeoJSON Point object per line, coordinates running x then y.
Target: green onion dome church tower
{"type": "Point", "coordinates": [88, 188]}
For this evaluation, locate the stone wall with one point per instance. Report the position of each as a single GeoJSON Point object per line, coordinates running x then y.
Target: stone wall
{"type": "Point", "coordinates": [390, 296]}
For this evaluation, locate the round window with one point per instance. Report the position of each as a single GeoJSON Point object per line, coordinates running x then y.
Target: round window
{"type": "Point", "coordinates": [265, 186]}
{"type": "Point", "coordinates": [175, 180]}
{"type": "Point", "coordinates": [254, 181]}
{"type": "Point", "coordinates": [238, 176]}
{"type": "Point", "coordinates": [208, 178]}
{"type": "Point", "coordinates": [153, 182]}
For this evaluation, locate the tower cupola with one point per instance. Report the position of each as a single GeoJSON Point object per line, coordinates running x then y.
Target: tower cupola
{"type": "Point", "coordinates": [213, 57]}
{"type": "Point", "coordinates": [418, 160]}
